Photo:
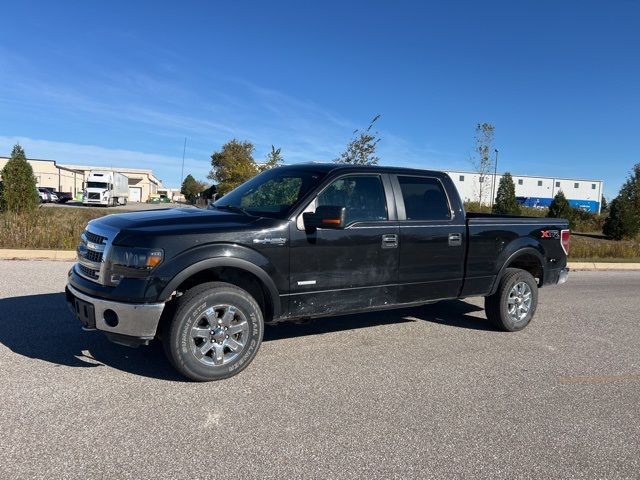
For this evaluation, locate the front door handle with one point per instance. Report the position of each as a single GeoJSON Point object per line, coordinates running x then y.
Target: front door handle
{"type": "Point", "coordinates": [455, 239]}
{"type": "Point", "coordinates": [390, 241]}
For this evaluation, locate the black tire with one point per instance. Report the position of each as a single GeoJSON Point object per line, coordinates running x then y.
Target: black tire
{"type": "Point", "coordinates": [497, 306]}
{"type": "Point", "coordinates": [195, 311]}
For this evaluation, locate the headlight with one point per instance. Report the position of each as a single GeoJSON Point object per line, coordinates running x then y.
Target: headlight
{"type": "Point", "coordinates": [132, 262]}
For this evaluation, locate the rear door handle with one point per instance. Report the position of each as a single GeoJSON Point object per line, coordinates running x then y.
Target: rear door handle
{"type": "Point", "coordinates": [389, 241]}
{"type": "Point", "coordinates": [455, 239]}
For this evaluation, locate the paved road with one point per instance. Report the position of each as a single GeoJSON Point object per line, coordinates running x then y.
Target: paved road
{"type": "Point", "coordinates": [428, 392]}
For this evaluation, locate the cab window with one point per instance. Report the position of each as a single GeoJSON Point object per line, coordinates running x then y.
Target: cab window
{"type": "Point", "coordinates": [362, 195]}
{"type": "Point", "coordinates": [424, 198]}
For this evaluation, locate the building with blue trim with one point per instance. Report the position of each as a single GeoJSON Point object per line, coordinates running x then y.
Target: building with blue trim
{"type": "Point", "coordinates": [531, 191]}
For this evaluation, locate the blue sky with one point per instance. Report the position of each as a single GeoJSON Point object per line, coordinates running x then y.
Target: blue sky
{"type": "Point", "coordinates": [123, 83]}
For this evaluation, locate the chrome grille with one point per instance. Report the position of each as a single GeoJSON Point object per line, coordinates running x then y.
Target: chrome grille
{"type": "Point", "coordinates": [88, 272]}
{"type": "Point", "coordinates": [92, 253]}
{"type": "Point", "coordinates": [94, 238]}
{"type": "Point", "coordinates": [93, 256]}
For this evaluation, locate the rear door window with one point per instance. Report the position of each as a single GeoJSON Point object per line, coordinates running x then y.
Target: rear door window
{"type": "Point", "coordinates": [424, 198]}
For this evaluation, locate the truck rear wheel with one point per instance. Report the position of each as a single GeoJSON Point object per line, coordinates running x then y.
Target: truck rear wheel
{"type": "Point", "coordinates": [215, 332]}
{"type": "Point", "coordinates": [513, 305]}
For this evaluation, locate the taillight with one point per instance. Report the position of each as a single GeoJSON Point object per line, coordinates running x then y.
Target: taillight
{"type": "Point", "coordinates": [565, 235]}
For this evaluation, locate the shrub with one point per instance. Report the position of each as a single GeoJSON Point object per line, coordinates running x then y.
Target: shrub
{"type": "Point", "coordinates": [19, 193]}
{"type": "Point", "coordinates": [506, 203]}
{"type": "Point", "coordinates": [560, 208]}
{"type": "Point", "coordinates": [622, 221]}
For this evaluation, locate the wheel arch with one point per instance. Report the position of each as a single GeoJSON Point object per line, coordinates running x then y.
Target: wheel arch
{"type": "Point", "coordinates": [236, 271]}
{"type": "Point", "coordinates": [528, 259]}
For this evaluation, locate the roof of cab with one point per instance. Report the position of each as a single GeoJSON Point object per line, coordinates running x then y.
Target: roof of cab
{"type": "Point", "coordinates": [331, 167]}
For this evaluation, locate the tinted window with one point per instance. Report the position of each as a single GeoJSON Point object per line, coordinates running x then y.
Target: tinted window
{"type": "Point", "coordinates": [424, 199]}
{"type": "Point", "coordinates": [593, 186]}
{"type": "Point", "coordinates": [539, 183]}
{"type": "Point", "coordinates": [272, 193]}
{"type": "Point", "coordinates": [576, 185]}
{"type": "Point", "coordinates": [462, 178]}
{"type": "Point", "coordinates": [557, 184]}
{"type": "Point", "coordinates": [519, 181]}
{"type": "Point", "coordinates": [363, 197]}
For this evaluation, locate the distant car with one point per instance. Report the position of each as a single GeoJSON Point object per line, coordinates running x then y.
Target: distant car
{"type": "Point", "coordinates": [45, 195]}
{"type": "Point", "coordinates": [63, 197]}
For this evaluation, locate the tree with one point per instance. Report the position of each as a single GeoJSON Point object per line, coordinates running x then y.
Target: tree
{"type": "Point", "coordinates": [274, 159]}
{"type": "Point", "coordinates": [624, 212]}
{"type": "Point", "coordinates": [622, 221]}
{"type": "Point", "coordinates": [191, 188]}
{"type": "Point", "coordinates": [361, 150]}
{"type": "Point", "coordinates": [482, 163]}
{"type": "Point", "coordinates": [233, 165]}
{"type": "Point", "coordinates": [19, 193]}
{"type": "Point", "coordinates": [604, 205]}
{"type": "Point", "coordinates": [506, 202]}
{"type": "Point", "coordinates": [560, 208]}
{"type": "Point", "coordinates": [631, 190]}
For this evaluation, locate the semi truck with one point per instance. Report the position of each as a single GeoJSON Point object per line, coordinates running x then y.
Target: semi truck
{"type": "Point", "coordinates": [106, 188]}
{"type": "Point", "coordinates": [299, 242]}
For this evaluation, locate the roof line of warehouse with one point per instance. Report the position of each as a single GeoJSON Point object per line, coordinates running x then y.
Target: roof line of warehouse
{"type": "Point", "coordinates": [529, 176]}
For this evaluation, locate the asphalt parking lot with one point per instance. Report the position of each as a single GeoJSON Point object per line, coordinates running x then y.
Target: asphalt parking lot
{"type": "Point", "coordinates": [428, 392]}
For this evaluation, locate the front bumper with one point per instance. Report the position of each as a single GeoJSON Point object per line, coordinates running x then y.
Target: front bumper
{"type": "Point", "coordinates": [123, 322]}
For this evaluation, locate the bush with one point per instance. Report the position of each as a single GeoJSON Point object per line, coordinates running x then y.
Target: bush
{"type": "Point", "coordinates": [560, 208]}
{"type": "Point", "coordinates": [19, 193]}
{"type": "Point", "coordinates": [506, 203]}
{"type": "Point", "coordinates": [587, 221]}
{"type": "Point", "coordinates": [622, 221]}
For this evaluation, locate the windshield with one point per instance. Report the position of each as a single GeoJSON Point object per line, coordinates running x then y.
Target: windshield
{"type": "Point", "coordinates": [96, 185]}
{"type": "Point", "coordinates": [272, 193]}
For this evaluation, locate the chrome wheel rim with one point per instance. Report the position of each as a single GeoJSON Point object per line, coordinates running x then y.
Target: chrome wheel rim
{"type": "Point", "coordinates": [519, 301]}
{"type": "Point", "coordinates": [219, 335]}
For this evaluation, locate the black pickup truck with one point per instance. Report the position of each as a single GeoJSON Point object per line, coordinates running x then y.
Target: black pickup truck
{"type": "Point", "coordinates": [304, 241]}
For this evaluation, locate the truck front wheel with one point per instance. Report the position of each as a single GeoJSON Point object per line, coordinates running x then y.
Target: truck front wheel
{"type": "Point", "coordinates": [215, 332]}
{"type": "Point", "coordinates": [513, 305]}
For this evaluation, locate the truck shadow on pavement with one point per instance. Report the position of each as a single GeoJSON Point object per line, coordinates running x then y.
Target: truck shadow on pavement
{"type": "Point", "coordinates": [41, 327]}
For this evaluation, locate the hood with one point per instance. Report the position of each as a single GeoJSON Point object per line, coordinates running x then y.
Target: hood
{"type": "Point", "coordinates": [170, 220]}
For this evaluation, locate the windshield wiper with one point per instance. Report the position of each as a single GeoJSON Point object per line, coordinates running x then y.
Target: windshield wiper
{"type": "Point", "coordinates": [233, 208]}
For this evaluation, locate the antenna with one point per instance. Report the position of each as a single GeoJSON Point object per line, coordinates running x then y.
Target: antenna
{"type": "Point", "coordinates": [184, 149]}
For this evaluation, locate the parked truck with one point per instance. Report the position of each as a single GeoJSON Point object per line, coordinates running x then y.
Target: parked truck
{"type": "Point", "coordinates": [300, 242]}
{"type": "Point", "coordinates": [105, 188]}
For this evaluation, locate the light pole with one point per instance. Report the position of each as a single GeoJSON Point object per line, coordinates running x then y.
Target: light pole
{"type": "Point", "coordinates": [184, 149]}
{"type": "Point", "coordinates": [495, 174]}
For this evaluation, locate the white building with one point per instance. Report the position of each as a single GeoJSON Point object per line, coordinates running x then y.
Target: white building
{"type": "Point", "coordinates": [531, 191]}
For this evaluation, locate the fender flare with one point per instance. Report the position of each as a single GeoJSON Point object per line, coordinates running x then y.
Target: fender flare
{"type": "Point", "coordinates": [226, 262]}
{"type": "Point", "coordinates": [521, 251]}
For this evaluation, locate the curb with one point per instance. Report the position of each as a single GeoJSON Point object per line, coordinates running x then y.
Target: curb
{"type": "Point", "coordinates": [70, 255]}
{"type": "Point", "coordinates": [600, 266]}
{"type": "Point", "coordinates": [17, 254]}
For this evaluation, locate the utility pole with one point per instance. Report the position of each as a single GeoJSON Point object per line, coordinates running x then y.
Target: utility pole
{"type": "Point", "coordinates": [184, 149]}
{"type": "Point", "coordinates": [495, 174]}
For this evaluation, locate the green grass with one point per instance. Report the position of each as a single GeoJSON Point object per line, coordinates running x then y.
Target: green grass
{"type": "Point", "coordinates": [60, 229]}
{"type": "Point", "coordinates": [46, 228]}
{"type": "Point", "coordinates": [597, 248]}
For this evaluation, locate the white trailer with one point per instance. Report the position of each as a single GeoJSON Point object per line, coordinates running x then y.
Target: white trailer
{"type": "Point", "coordinates": [105, 188]}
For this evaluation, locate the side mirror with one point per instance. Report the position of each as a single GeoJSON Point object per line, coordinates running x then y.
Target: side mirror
{"type": "Point", "coordinates": [326, 216]}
